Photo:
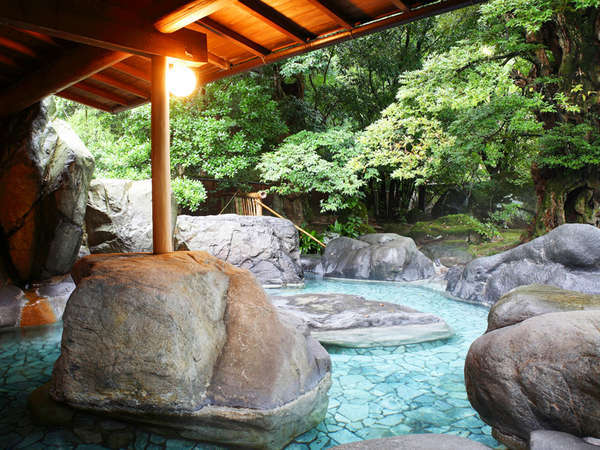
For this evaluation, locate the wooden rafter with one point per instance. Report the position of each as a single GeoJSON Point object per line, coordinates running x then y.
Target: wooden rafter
{"type": "Point", "coordinates": [102, 93]}
{"type": "Point", "coordinates": [135, 72]}
{"type": "Point", "coordinates": [210, 25]}
{"type": "Point", "coordinates": [8, 62]}
{"type": "Point", "coordinates": [274, 19]}
{"type": "Point", "coordinates": [401, 5]}
{"type": "Point", "coordinates": [331, 13]}
{"type": "Point", "coordinates": [16, 47]}
{"type": "Point", "coordinates": [84, 101]}
{"type": "Point", "coordinates": [218, 61]}
{"type": "Point", "coordinates": [371, 27]}
{"type": "Point", "coordinates": [96, 23]}
{"type": "Point", "coordinates": [110, 81]}
{"type": "Point", "coordinates": [39, 36]}
{"type": "Point", "coordinates": [72, 67]}
{"type": "Point", "coordinates": [188, 13]}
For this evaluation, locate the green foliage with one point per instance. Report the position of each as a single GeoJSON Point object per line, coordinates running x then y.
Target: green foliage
{"type": "Point", "coordinates": [309, 246]}
{"type": "Point", "coordinates": [353, 227]}
{"type": "Point", "coordinates": [453, 226]}
{"type": "Point", "coordinates": [509, 213]}
{"type": "Point", "coordinates": [315, 162]}
{"type": "Point", "coordinates": [189, 193]}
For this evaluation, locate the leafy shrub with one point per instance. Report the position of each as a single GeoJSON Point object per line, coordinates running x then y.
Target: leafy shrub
{"type": "Point", "coordinates": [309, 246]}
{"type": "Point", "coordinates": [509, 213]}
{"type": "Point", "coordinates": [189, 193]}
{"type": "Point", "coordinates": [352, 228]}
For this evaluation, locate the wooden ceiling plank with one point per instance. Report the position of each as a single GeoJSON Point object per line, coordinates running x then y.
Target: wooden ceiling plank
{"type": "Point", "coordinates": [236, 38]}
{"type": "Point", "coordinates": [103, 93]}
{"type": "Point", "coordinates": [110, 81]}
{"type": "Point", "coordinates": [101, 26]}
{"type": "Point", "coordinates": [17, 47]}
{"type": "Point", "coordinates": [401, 5]}
{"type": "Point", "coordinates": [83, 100]}
{"type": "Point", "coordinates": [218, 61]}
{"type": "Point", "coordinates": [331, 13]}
{"type": "Point", "coordinates": [274, 19]}
{"type": "Point", "coordinates": [72, 67]}
{"type": "Point", "coordinates": [188, 13]}
{"type": "Point", "coordinates": [135, 72]}
{"type": "Point", "coordinates": [371, 27]}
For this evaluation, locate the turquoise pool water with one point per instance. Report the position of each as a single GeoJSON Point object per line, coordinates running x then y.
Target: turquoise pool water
{"type": "Point", "coordinates": [376, 392]}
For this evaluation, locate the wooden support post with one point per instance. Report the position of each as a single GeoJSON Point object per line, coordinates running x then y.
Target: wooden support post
{"type": "Point", "coordinates": [161, 165]}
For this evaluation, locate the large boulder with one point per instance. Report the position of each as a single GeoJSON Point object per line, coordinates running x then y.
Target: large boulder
{"type": "Point", "coordinates": [266, 246]}
{"type": "Point", "coordinates": [45, 171]}
{"type": "Point", "coordinates": [525, 302]}
{"type": "Point", "coordinates": [377, 256]}
{"type": "Point", "coordinates": [186, 341]}
{"type": "Point", "coordinates": [352, 321]}
{"type": "Point", "coordinates": [567, 257]}
{"type": "Point", "coordinates": [538, 374]}
{"type": "Point", "coordinates": [118, 218]}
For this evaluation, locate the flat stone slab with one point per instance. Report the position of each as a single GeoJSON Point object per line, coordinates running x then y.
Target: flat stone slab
{"type": "Point", "coordinates": [416, 442]}
{"type": "Point", "coordinates": [556, 440]}
{"type": "Point", "coordinates": [353, 321]}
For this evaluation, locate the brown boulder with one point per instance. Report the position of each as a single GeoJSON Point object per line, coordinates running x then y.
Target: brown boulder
{"type": "Point", "coordinates": [188, 341]}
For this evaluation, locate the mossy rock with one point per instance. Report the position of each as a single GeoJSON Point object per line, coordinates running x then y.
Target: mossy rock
{"type": "Point", "coordinates": [454, 226]}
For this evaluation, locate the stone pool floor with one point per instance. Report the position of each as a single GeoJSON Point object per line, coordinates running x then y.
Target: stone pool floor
{"type": "Point", "coordinates": [376, 392]}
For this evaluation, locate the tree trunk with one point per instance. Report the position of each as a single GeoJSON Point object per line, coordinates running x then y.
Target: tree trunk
{"type": "Point", "coordinates": [566, 197]}
{"type": "Point", "coordinates": [570, 53]}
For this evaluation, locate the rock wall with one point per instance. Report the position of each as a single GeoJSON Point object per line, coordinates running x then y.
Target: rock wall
{"type": "Point", "coordinates": [118, 218]}
{"type": "Point", "coordinates": [266, 246]}
{"type": "Point", "coordinates": [45, 171]}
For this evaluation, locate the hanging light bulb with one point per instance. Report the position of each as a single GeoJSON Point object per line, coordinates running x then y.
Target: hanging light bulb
{"type": "Point", "coordinates": [181, 80]}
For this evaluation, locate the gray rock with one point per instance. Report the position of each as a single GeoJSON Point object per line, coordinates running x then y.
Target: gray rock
{"type": "Point", "coordinates": [11, 300]}
{"type": "Point", "coordinates": [45, 172]}
{"type": "Point", "coordinates": [266, 246]}
{"type": "Point", "coordinates": [567, 257]}
{"type": "Point", "coordinates": [529, 301]}
{"type": "Point", "coordinates": [186, 341]}
{"type": "Point", "coordinates": [385, 256]}
{"type": "Point", "coordinates": [415, 442]}
{"type": "Point", "coordinates": [57, 292]}
{"type": "Point", "coordinates": [352, 321]}
{"type": "Point", "coordinates": [555, 440]}
{"type": "Point", "coordinates": [118, 217]}
{"type": "Point", "coordinates": [541, 373]}
{"type": "Point", "coordinates": [448, 253]}
{"type": "Point", "coordinates": [312, 264]}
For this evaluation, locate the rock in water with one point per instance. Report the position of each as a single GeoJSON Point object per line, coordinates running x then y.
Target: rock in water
{"type": "Point", "coordinates": [539, 374]}
{"type": "Point", "coordinates": [525, 302]}
{"type": "Point", "coordinates": [567, 257]}
{"type": "Point", "coordinates": [45, 171]}
{"type": "Point", "coordinates": [377, 256]}
{"type": "Point", "coordinates": [266, 246]}
{"type": "Point", "coordinates": [119, 216]}
{"type": "Point", "coordinates": [186, 341]}
{"type": "Point", "coordinates": [352, 321]}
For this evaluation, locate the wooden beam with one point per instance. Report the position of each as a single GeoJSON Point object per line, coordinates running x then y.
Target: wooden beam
{"type": "Point", "coordinates": [103, 93]}
{"type": "Point", "coordinates": [110, 81]}
{"type": "Point", "coordinates": [218, 61]}
{"type": "Point", "coordinates": [8, 62]}
{"type": "Point", "coordinates": [274, 19]}
{"type": "Point", "coordinates": [97, 23]}
{"type": "Point", "coordinates": [67, 70]}
{"type": "Point", "coordinates": [135, 72]}
{"type": "Point", "coordinates": [329, 12]}
{"type": "Point", "coordinates": [371, 27]}
{"type": "Point", "coordinates": [188, 13]}
{"type": "Point", "coordinates": [16, 47]}
{"type": "Point", "coordinates": [39, 36]}
{"type": "Point", "coordinates": [83, 100]}
{"type": "Point", "coordinates": [162, 237]}
{"type": "Point", "coordinates": [222, 31]}
{"type": "Point", "coordinates": [401, 5]}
